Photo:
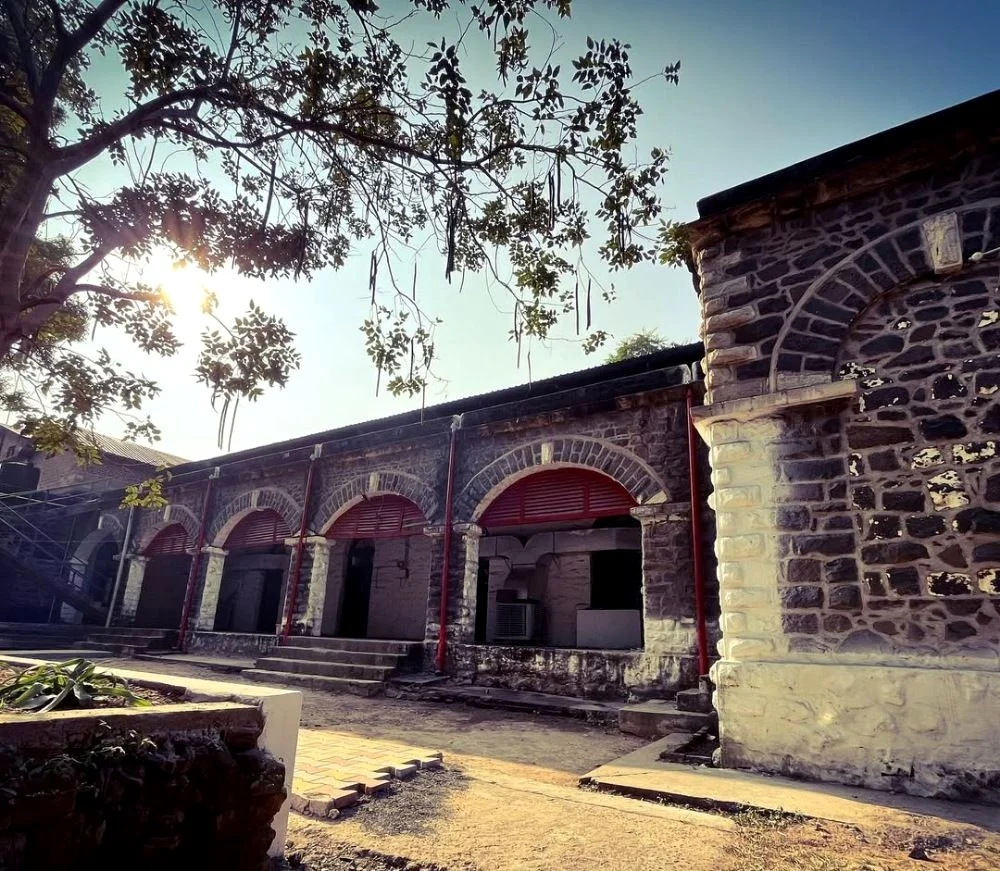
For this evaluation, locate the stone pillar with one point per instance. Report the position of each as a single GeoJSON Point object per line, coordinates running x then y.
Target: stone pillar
{"type": "Point", "coordinates": [436, 535]}
{"type": "Point", "coordinates": [312, 601]}
{"type": "Point", "coordinates": [465, 620]}
{"type": "Point", "coordinates": [215, 564]}
{"type": "Point", "coordinates": [133, 588]}
{"type": "Point", "coordinates": [460, 624]}
{"type": "Point", "coordinates": [668, 617]}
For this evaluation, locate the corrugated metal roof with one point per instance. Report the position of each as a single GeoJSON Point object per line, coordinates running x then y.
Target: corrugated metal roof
{"type": "Point", "coordinates": [132, 451]}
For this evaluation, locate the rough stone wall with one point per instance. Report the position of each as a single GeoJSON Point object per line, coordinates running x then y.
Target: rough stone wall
{"type": "Point", "coordinates": [851, 453]}
{"type": "Point", "coordinates": [200, 795]}
{"type": "Point", "coordinates": [566, 590]}
{"type": "Point", "coordinates": [398, 605]}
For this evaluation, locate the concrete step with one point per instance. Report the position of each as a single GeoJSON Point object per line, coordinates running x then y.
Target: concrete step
{"type": "Point", "coordinates": [69, 629]}
{"type": "Point", "coordinates": [38, 642]}
{"type": "Point", "coordinates": [347, 657]}
{"type": "Point", "coordinates": [315, 682]}
{"type": "Point", "coordinates": [325, 669]}
{"type": "Point", "coordinates": [509, 700]}
{"type": "Point", "coordinates": [355, 645]}
{"type": "Point", "coordinates": [137, 640]}
{"type": "Point", "coordinates": [694, 700]}
{"type": "Point", "coordinates": [659, 717]}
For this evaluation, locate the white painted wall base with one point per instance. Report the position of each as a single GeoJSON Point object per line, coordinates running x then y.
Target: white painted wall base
{"type": "Point", "coordinates": [924, 731]}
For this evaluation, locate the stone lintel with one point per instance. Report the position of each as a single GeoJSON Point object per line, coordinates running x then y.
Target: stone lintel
{"type": "Point", "coordinates": [211, 550]}
{"type": "Point", "coordinates": [662, 512]}
{"type": "Point", "coordinates": [771, 404]}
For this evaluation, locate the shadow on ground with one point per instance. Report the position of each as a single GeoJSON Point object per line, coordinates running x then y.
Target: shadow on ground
{"type": "Point", "coordinates": [409, 807]}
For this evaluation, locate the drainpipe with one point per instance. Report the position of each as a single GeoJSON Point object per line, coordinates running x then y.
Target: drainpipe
{"type": "Point", "coordinates": [293, 591]}
{"type": "Point", "coordinates": [442, 645]}
{"type": "Point", "coordinates": [196, 558]}
{"type": "Point", "coordinates": [696, 540]}
{"type": "Point", "coordinates": [121, 566]}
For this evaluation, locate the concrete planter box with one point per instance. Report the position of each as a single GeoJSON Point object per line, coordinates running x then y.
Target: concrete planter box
{"type": "Point", "coordinates": [220, 772]}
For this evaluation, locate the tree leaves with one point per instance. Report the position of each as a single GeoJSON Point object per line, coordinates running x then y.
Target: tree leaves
{"type": "Point", "coordinates": [277, 138]}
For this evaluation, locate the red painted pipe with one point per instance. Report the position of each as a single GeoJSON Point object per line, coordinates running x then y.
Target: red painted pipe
{"type": "Point", "coordinates": [442, 645]}
{"type": "Point", "coordinates": [696, 541]}
{"type": "Point", "coordinates": [293, 592]}
{"type": "Point", "coordinates": [195, 563]}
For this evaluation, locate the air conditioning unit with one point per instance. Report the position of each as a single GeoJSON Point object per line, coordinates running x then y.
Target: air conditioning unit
{"type": "Point", "coordinates": [514, 621]}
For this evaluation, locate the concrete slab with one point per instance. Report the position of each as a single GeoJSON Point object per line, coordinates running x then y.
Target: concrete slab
{"type": "Point", "coordinates": [659, 717]}
{"type": "Point", "coordinates": [511, 700]}
{"type": "Point", "coordinates": [62, 654]}
{"type": "Point", "coordinates": [642, 774]}
{"type": "Point", "coordinates": [222, 664]}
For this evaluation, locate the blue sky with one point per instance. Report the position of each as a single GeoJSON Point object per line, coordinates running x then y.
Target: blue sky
{"type": "Point", "coordinates": [763, 84]}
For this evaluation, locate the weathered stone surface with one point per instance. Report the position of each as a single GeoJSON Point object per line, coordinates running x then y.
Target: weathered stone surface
{"type": "Point", "coordinates": [893, 552]}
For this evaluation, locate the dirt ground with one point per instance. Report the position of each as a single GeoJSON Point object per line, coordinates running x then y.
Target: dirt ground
{"type": "Point", "coordinates": [507, 800]}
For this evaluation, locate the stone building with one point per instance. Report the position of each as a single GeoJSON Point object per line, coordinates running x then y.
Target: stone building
{"type": "Point", "coordinates": [569, 567]}
{"type": "Point", "coordinates": [60, 523]}
{"type": "Point", "coordinates": [851, 319]}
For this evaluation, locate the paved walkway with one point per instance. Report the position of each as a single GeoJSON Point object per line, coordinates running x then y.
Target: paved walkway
{"type": "Point", "coordinates": [334, 769]}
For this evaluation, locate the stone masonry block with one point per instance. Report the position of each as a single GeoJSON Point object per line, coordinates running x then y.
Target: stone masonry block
{"type": "Point", "coordinates": [732, 452]}
{"type": "Point", "coordinates": [741, 546]}
{"type": "Point", "coordinates": [734, 317]}
{"type": "Point", "coordinates": [729, 498]}
{"type": "Point", "coordinates": [731, 356]}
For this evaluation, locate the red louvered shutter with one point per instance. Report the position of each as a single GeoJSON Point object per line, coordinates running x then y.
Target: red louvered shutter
{"type": "Point", "coordinates": [170, 541]}
{"type": "Point", "coordinates": [387, 516]}
{"type": "Point", "coordinates": [558, 495]}
{"type": "Point", "coordinates": [261, 529]}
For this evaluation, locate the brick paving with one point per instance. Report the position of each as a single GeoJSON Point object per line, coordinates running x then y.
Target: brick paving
{"type": "Point", "coordinates": [333, 770]}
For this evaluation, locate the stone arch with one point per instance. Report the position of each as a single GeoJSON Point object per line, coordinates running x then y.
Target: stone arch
{"type": "Point", "coordinates": [580, 451]}
{"type": "Point", "coordinates": [349, 494]}
{"type": "Point", "coordinates": [235, 510]}
{"type": "Point", "coordinates": [819, 322]}
{"type": "Point", "coordinates": [171, 514]}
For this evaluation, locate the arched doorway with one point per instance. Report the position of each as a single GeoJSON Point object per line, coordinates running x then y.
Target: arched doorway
{"type": "Point", "coordinates": [100, 577]}
{"type": "Point", "coordinates": [379, 570]}
{"type": "Point", "coordinates": [165, 579]}
{"type": "Point", "coordinates": [560, 563]}
{"type": "Point", "coordinates": [255, 573]}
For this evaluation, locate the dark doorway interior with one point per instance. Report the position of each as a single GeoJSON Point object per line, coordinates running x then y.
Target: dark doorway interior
{"type": "Point", "coordinates": [616, 580]}
{"type": "Point", "coordinates": [357, 589]}
{"type": "Point", "coordinates": [101, 579]}
{"type": "Point", "coordinates": [163, 587]}
{"type": "Point", "coordinates": [270, 600]}
{"type": "Point", "coordinates": [250, 594]}
{"type": "Point", "coordinates": [482, 600]}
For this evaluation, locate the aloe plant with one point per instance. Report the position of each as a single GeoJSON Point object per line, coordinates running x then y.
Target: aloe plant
{"type": "Point", "coordinates": [75, 683]}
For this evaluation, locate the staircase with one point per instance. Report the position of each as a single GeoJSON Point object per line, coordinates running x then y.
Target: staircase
{"type": "Point", "coordinates": [117, 640]}
{"type": "Point", "coordinates": [359, 666]}
{"type": "Point", "coordinates": [30, 552]}
{"type": "Point", "coordinates": [128, 640]}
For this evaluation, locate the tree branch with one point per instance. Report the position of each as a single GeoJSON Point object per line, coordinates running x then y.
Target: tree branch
{"type": "Point", "coordinates": [69, 45]}
{"type": "Point", "coordinates": [15, 14]}
{"type": "Point", "coordinates": [151, 113]}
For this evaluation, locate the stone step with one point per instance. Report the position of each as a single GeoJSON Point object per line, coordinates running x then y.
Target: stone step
{"type": "Point", "coordinates": [72, 629]}
{"type": "Point", "coordinates": [38, 642]}
{"type": "Point", "coordinates": [347, 657]}
{"type": "Point", "coordinates": [150, 639]}
{"type": "Point", "coordinates": [355, 645]}
{"type": "Point", "coordinates": [326, 669]}
{"type": "Point", "coordinates": [658, 718]}
{"type": "Point", "coordinates": [315, 682]}
{"type": "Point", "coordinates": [694, 700]}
